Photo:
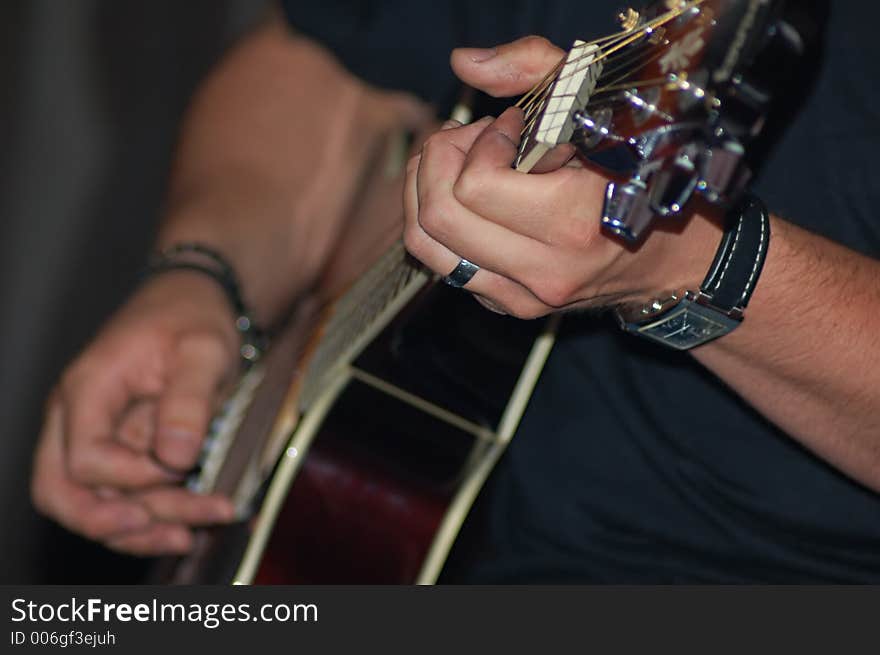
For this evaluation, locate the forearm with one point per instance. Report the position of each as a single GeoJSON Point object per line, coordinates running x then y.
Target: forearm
{"type": "Point", "coordinates": [807, 355]}
{"type": "Point", "coordinates": [271, 152]}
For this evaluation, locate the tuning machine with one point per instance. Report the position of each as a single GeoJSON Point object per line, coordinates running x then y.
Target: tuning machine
{"type": "Point", "coordinates": [673, 185]}
{"type": "Point", "coordinates": [628, 19]}
{"type": "Point", "coordinates": [721, 170]}
{"type": "Point", "coordinates": [630, 207]}
{"type": "Point", "coordinates": [626, 212]}
{"type": "Point", "coordinates": [593, 128]}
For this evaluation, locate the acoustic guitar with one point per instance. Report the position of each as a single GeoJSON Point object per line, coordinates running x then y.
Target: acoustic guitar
{"type": "Point", "coordinates": [356, 446]}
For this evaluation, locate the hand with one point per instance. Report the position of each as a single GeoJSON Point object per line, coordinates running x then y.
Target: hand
{"type": "Point", "coordinates": [128, 418]}
{"type": "Point", "coordinates": [537, 238]}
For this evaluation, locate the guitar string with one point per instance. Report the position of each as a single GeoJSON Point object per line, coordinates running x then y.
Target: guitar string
{"type": "Point", "coordinates": [619, 41]}
{"type": "Point", "coordinates": [356, 311]}
{"type": "Point", "coordinates": [538, 94]}
{"type": "Point", "coordinates": [550, 77]}
{"type": "Point", "coordinates": [629, 58]}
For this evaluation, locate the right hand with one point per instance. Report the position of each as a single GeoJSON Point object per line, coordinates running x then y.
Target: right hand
{"type": "Point", "coordinates": [129, 415]}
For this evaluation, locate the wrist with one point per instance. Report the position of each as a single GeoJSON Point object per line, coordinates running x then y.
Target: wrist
{"type": "Point", "coordinates": [673, 258]}
{"type": "Point", "coordinates": [204, 260]}
{"type": "Point", "coordinates": [715, 307]}
{"type": "Point", "coordinates": [191, 302]}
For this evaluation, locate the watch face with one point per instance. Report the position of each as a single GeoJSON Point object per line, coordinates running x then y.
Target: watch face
{"type": "Point", "coordinates": [687, 325]}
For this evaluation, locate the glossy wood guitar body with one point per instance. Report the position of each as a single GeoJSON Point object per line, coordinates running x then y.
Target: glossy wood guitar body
{"type": "Point", "coordinates": [381, 469]}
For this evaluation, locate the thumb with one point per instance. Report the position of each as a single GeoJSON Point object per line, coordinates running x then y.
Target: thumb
{"type": "Point", "coordinates": [188, 401]}
{"type": "Point", "coordinates": [509, 69]}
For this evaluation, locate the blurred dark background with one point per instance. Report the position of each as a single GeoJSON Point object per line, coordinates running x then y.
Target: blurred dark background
{"type": "Point", "coordinates": [92, 91]}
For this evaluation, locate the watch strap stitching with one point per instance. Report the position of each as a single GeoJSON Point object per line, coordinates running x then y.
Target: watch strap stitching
{"type": "Point", "coordinates": [729, 255]}
{"type": "Point", "coordinates": [756, 267]}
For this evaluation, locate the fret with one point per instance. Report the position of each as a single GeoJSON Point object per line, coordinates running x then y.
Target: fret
{"type": "Point", "coordinates": [360, 315]}
{"type": "Point", "coordinates": [548, 122]}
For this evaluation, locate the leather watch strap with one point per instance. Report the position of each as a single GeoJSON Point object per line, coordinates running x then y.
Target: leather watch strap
{"type": "Point", "coordinates": [740, 257]}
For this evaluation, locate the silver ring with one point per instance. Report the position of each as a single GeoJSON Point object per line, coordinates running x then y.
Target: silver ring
{"type": "Point", "coordinates": [461, 274]}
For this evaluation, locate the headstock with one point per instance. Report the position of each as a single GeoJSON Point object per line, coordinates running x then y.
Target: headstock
{"type": "Point", "coordinates": [667, 105]}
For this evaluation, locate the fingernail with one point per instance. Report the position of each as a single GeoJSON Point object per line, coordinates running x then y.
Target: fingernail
{"type": "Point", "coordinates": [479, 55]}
{"type": "Point", "coordinates": [448, 125]}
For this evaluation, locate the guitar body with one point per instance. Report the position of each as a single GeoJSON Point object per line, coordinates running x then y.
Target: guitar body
{"type": "Point", "coordinates": [356, 448]}
{"type": "Point", "coordinates": [378, 474]}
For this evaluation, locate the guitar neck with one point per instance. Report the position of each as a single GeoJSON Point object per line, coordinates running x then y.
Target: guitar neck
{"type": "Point", "coordinates": [360, 314]}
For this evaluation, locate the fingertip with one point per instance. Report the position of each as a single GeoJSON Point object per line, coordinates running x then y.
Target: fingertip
{"type": "Point", "coordinates": [223, 510]}
{"type": "Point", "coordinates": [178, 447]}
{"type": "Point", "coordinates": [509, 125]}
{"type": "Point", "coordinates": [514, 112]}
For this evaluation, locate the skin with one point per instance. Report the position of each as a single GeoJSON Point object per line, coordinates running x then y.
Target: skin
{"type": "Point", "coordinates": [807, 354]}
{"type": "Point", "coordinates": [128, 415]}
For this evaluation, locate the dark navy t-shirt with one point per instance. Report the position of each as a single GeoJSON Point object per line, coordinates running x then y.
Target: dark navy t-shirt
{"type": "Point", "coordinates": [634, 464]}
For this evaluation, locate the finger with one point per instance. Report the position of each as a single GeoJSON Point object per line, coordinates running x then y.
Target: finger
{"type": "Point", "coordinates": [159, 539]}
{"type": "Point", "coordinates": [138, 425]}
{"type": "Point", "coordinates": [189, 400]}
{"type": "Point", "coordinates": [551, 208]}
{"type": "Point", "coordinates": [93, 456]}
{"type": "Point", "coordinates": [489, 304]}
{"type": "Point", "coordinates": [492, 246]}
{"type": "Point", "coordinates": [509, 69]}
{"type": "Point", "coordinates": [74, 506]}
{"type": "Point", "coordinates": [179, 505]}
{"type": "Point", "coordinates": [460, 136]}
{"type": "Point", "coordinates": [506, 296]}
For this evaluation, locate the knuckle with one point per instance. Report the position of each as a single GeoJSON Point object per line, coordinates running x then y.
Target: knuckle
{"type": "Point", "coordinates": [513, 300]}
{"type": "Point", "coordinates": [576, 234]}
{"type": "Point", "coordinates": [413, 240]}
{"type": "Point", "coordinates": [79, 464]}
{"type": "Point", "coordinates": [433, 143]}
{"type": "Point", "coordinates": [554, 291]}
{"type": "Point", "coordinates": [435, 219]}
{"type": "Point", "coordinates": [534, 50]}
{"type": "Point", "coordinates": [551, 286]}
{"type": "Point", "coordinates": [470, 186]}
{"type": "Point", "coordinates": [535, 44]}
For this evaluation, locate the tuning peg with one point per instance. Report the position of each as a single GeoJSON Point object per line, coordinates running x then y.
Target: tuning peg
{"type": "Point", "coordinates": [719, 168]}
{"type": "Point", "coordinates": [628, 19]}
{"type": "Point", "coordinates": [673, 185]}
{"type": "Point", "coordinates": [626, 212]}
{"type": "Point", "coordinates": [591, 129]}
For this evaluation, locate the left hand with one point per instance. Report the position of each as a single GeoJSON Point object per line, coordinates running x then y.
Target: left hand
{"type": "Point", "coordinates": [536, 237]}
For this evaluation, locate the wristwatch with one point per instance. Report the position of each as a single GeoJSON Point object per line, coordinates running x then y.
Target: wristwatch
{"type": "Point", "coordinates": [686, 319]}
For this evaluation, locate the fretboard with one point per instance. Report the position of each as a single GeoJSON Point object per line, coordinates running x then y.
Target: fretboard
{"type": "Point", "coordinates": [360, 314]}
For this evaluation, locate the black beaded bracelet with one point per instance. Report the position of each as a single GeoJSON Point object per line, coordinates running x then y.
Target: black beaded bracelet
{"type": "Point", "coordinates": [201, 258]}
